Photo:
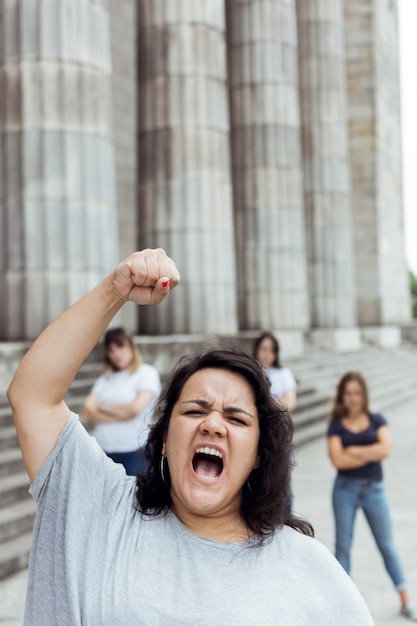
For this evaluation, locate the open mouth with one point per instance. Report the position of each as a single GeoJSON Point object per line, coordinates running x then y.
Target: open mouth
{"type": "Point", "coordinates": [208, 463]}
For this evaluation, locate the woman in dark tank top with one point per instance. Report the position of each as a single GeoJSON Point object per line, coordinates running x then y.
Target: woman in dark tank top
{"type": "Point", "coordinates": [358, 441]}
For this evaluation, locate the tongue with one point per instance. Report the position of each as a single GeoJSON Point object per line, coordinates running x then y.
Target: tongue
{"type": "Point", "coordinates": [206, 468]}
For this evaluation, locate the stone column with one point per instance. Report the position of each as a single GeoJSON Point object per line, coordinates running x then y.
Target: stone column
{"type": "Point", "coordinates": [267, 165]}
{"type": "Point", "coordinates": [184, 170]}
{"type": "Point", "coordinates": [375, 154]}
{"type": "Point", "coordinates": [58, 226]}
{"type": "Point", "coordinates": [326, 167]}
{"type": "Point", "coordinates": [123, 35]}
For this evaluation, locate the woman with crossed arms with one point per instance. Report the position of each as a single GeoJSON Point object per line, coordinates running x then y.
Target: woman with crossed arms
{"type": "Point", "coordinates": [358, 441]}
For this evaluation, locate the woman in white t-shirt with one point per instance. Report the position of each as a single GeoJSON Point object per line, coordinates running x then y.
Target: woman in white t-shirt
{"type": "Point", "coordinates": [283, 384]}
{"type": "Point", "coordinates": [121, 401]}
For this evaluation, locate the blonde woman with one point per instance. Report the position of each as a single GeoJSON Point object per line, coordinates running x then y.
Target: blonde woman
{"type": "Point", "coordinates": [121, 401]}
{"type": "Point", "coordinates": [283, 383]}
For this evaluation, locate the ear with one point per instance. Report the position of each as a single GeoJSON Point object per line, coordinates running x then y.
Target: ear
{"type": "Point", "coordinates": [163, 449]}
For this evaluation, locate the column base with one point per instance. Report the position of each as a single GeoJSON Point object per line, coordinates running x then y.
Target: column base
{"type": "Point", "coordinates": [382, 336]}
{"type": "Point", "coordinates": [291, 343]}
{"type": "Point", "coordinates": [337, 339]}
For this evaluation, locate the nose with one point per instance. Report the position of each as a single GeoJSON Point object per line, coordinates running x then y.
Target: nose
{"type": "Point", "coordinates": [213, 424]}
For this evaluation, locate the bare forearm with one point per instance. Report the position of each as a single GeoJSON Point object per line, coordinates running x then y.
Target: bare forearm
{"type": "Point", "coordinates": [346, 461]}
{"type": "Point", "coordinates": [288, 399]}
{"type": "Point", "coordinates": [128, 410]}
{"type": "Point", "coordinates": [118, 411]}
{"type": "Point", "coordinates": [369, 454]}
{"type": "Point", "coordinates": [98, 415]}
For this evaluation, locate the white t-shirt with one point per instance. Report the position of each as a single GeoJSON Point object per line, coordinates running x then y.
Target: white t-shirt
{"type": "Point", "coordinates": [120, 387]}
{"type": "Point", "coordinates": [282, 380]}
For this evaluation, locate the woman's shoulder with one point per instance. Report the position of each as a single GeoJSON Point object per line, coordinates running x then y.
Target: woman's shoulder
{"type": "Point", "coordinates": [335, 427]}
{"type": "Point", "coordinates": [303, 547]}
{"type": "Point", "coordinates": [377, 420]}
{"type": "Point", "coordinates": [312, 563]}
{"type": "Point", "coordinates": [306, 551]}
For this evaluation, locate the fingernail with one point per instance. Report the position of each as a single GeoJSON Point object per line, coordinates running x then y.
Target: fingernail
{"type": "Point", "coordinates": [165, 283]}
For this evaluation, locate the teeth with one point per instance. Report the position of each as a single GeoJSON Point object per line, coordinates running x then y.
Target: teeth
{"type": "Point", "coordinates": [211, 451]}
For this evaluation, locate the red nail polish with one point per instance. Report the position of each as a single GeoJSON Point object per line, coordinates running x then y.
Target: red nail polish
{"type": "Point", "coordinates": [165, 283]}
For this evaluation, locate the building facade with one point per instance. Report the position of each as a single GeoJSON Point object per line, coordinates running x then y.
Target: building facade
{"type": "Point", "coordinates": [257, 141]}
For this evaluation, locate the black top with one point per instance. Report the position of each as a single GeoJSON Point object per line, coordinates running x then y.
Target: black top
{"type": "Point", "coordinates": [370, 471]}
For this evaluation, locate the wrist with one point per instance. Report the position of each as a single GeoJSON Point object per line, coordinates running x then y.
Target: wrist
{"type": "Point", "coordinates": [110, 284]}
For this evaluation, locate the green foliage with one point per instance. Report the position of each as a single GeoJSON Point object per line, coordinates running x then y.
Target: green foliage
{"type": "Point", "coordinates": [413, 291]}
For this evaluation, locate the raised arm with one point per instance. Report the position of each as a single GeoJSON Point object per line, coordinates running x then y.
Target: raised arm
{"type": "Point", "coordinates": [46, 372]}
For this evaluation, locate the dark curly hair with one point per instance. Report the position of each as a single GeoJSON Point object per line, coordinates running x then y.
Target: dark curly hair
{"type": "Point", "coordinates": [268, 487]}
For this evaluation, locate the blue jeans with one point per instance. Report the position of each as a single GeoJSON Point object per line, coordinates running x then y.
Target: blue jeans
{"type": "Point", "coordinates": [350, 494]}
{"type": "Point", "coordinates": [133, 462]}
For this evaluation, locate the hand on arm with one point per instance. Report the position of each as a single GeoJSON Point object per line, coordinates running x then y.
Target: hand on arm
{"type": "Point", "coordinates": [289, 399]}
{"type": "Point", "coordinates": [46, 372]}
{"type": "Point", "coordinates": [94, 411]}
{"type": "Point", "coordinates": [128, 410]}
{"type": "Point", "coordinates": [352, 457]}
{"type": "Point", "coordinates": [341, 459]}
{"type": "Point", "coordinates": [121, 411]}
{"type": "Point", "coordinates": [376, 451]}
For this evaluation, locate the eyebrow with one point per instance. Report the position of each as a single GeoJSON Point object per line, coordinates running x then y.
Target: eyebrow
{"type": "Point", "coordinates": [229, 409]}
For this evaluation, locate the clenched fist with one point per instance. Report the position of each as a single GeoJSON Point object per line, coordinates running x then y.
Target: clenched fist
{"type": "Point", "coordinates": [145, 277]}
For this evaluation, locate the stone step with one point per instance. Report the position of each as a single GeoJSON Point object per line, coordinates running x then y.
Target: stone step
{"type": "Point", "coordinates": [3, 401]}
{"type": "Point", "coordinates": [17, 518]}
{"type": "Point", "coordinates": [310, 432]}
{"type": "Point", "coordinates": [8, 438]}
{"type": "Point", "coordinates": [81, 387]}
{"type": "Point", "coordinates": [325, 375]}
{"type": "Point", "coordinates": [14, 554]}
{"type": "Point", "coordinates": [306, 402]}
{"type": "Point", "coordinates": [6, 418]}
{"type": "Point", "coordinates": [13, 487]}
{"type": "Point", "coordinates": [11, 461]}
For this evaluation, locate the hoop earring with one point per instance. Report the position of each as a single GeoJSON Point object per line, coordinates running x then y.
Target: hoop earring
{"type": "Point", "coordinates": [162, 469]}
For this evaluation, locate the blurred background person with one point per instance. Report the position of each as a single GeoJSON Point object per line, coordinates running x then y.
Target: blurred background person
{"type": "Point", "coordinates": [121, 401]}
{"type": "Point", "coordinates": [358, 441]}
{"type": "Point", "coordinates": [283, 383]}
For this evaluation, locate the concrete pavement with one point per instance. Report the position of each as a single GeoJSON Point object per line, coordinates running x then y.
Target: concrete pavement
{"type": "Point", "coordinates": [312, 485]}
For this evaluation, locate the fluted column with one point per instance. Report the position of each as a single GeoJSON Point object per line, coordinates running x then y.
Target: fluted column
{"type": "Point", "coordinates": [267, 164]}
{"type": "Point", "coordinates": [326, 163]}
{"type": "Point", "coordinates": [184, 170]}
{"type": "Point", "coordinates": [58, 227]}
{"type": "Point", "coordinates": [125, 132]}
{"type": "Point", "coordinates": [375, 153]}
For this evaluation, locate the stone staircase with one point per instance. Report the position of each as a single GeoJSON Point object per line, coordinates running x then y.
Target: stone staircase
{"type": "Point", "coordinates": [391, 375]}
{"type": "Point", "coordinates": [17, 508]}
